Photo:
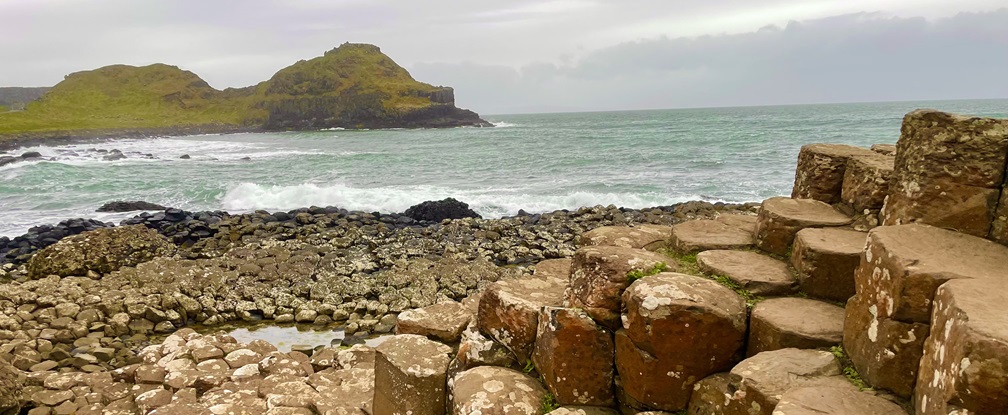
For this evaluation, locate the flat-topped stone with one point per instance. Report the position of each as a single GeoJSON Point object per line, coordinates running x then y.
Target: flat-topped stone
{"type": "Point", "coordinates": [744, 222]}
{"type": "Point", "coordinates": [825, 259]}
{"type": "Point", "coordinates": [495, 390]}
{"type": "Point", "coordinates": [780, 218]}
{"type": "Point", "coordinates": [904, 265]}
{"type": "Point", "coordinates": [443, 321]}
{"type": "Point", "coordinates": [761, 380]}
{"type": "Point", "coordinates": [704, 234]}
{"type": "Point", "coordinates": [644, 236]}
{"type": "Point", "coordinates": [757, 273]}
{"type": "Point", "coordinates": [711, 397]}
{"type": "Point", "coordinates": [599, 276]}
{"type": "Point", "coordinates": [820, 171]}
{"type": "Point", "coordinates": [553, 268]}
{"type": "Point", "coordinates": [884, 149]}
{"type": "Point", "coordinates": [834, 400]}
{"type": "Point", "coordinates": [583, 410]}
{"type": "Point", "coordinates": [410, 376]}
{"type": "Point", "coordinates": [885, 352]}
{"type": "Point", "coordinates": [801, 323]}
{"type": "Point", "coordinates": [866, 181]}
{"type": "Point", "coordinates": [509, 310]}
{"type": "Point", "coordinates": [965, 363]}
{"type": "Point", "coordinates": [667, 316]}
{"type": "Point", "coordinates": [574, 357]}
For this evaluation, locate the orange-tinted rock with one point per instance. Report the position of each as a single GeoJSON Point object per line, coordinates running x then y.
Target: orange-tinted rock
{"type": "Point", "coordinates": [759, 381]}
{"type": "Point", "coordinates": [649, 237]}
{"type": "Point", "coordinates": [780, 218]}
{"type": "Point", "coordinates": [410, 376]}
{"type": "Point", "coordinates": [553, 268]}
{"type": "Point", "coordinates": [866, 182]}
{"type": "Point", "coordinates": [757, 273]}
{"type": "Point", "coordinates": [801, 323]}
{"type": "Point", "coordinates": [497, 391]}
{"type": "Point", "coordinates": [826, 260]}
{"type": "Point", "coordinates": [574, 357]}
{"type": "Point", "coordinates": [820, 171]}
{"type": "Point", "coordinates": [885, 352]}
{"type": "Point", "coordinates": [443, 321]}
{"type": "Point", "coordinates": [702, 234]}
{"type": "Point", "coordinates": [599, 276]}
{"type": "Point", "coordinates": [509, 311]}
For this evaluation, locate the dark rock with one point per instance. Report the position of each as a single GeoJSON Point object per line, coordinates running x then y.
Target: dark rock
{"type": "Point", "coordinates": [436, 211]}
{"type": "Point", "coordinates": [31, 155]}
{"type": "Point", "coordinates": [184, 157]}
{"type": "Point", "coordinates": [123, 206]}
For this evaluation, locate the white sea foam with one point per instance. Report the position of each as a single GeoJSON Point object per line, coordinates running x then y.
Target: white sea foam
{"type": "Point", "coordinates": [503, 124]}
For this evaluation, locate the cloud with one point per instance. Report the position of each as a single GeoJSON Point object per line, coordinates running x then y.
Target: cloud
{"type": "Point", "coordinates": [849, 58]}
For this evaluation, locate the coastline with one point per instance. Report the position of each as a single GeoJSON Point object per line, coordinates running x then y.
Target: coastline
{"type": "Point", "coordinates": [29, 139]}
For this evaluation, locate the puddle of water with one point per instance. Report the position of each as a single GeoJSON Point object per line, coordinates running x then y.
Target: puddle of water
{"type": "Point", "coordinates": [285, 337]}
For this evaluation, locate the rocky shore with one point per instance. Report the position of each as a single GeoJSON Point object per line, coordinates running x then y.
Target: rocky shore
{"type": "Point", "coordinates": [873, 289]}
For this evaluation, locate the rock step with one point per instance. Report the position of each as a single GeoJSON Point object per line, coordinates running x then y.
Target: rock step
{"type": "Point", "coordinates": [509, 310]}
{"type": "Point", "coordinates": [801, 323]}
{"type": "Point", "coordinates": [599, 274]}
{"type": "Point", "coordinates": [963, 368]}
{"type": "Point", "coordinates": [443, 322]}
{"type": "Point", "coordinates": [753, 271]}
{"type": "Point", "coordinates": [410, 376]}
{"type": "Point", "coordinates": [820, 171]}
{"type": "Point", "coordinates": [781, 218]}
{"type": "Point", "coordinates": [645, 236]}
{"type": "Point", "coordinates": [495, 390]}
{"type": "Point", "coordinates": [704, 234]}
{"type": "Point", "coordinates": [866, 181]}
{"type": "Point", "coordinates": [825, 259]}
{"type": "Point", "coordinates": [553, 268]}
{"type": "Point", "coordinates": [826, 400]}
{"type": "Point", "coordinates": [574, 357]}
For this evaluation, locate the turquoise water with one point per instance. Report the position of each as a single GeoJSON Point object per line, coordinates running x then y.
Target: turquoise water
{"type": "Point", "coordinates": [539, 162]}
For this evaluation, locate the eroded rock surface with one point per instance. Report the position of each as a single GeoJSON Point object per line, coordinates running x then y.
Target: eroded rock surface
{"type": "Point", "coordinates": [826, 259]}
{"type": "Point", "coordinates": [497, 391]}
{"type": "Point", "coordinates": [509, 311]}
{"type": "Point", "coordinates": [820, 172]}
{"type": "Point", "coordinates": [780, 218]}
{"type": "Point", "coordinates": [100, 251]}
{"type": "Point", "coordinates": [757, 273]}
{"type": "Point", "coordinates": [801, 323]}
{"type": "Point", "coordinates": [649, 237]}
{"type": "Point", "coordinates": [410, 376]}
{"type": "Point", "coordinates": [574, 357]}
{"type": "Point", "coordinates": [599, 276]}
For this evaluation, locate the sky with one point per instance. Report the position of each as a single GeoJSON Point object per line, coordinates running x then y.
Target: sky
{"type": "Point", "coordinates": [546, 55]}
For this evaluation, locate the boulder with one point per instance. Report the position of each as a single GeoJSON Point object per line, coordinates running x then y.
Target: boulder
{"type": "Point", "coordinates": [599, 274]}
{"type": "Point", "coordinates": [885, 352]}
{"type": "Point", "coordinates": [712, 396]}
{"type": "Point", "coordinates": [509, 311]}
{"type": "Point", "coordinates": [123, 206]}
{"type": "Point", "coordinates": [703, 234]}
{"type": "Point", "coordinates": [826, 259]}
{"type": "Point", "coordinates": [443, 321]}
{"type": "Point", "coordinates": [437, 211]}
{"type": "Point", "coordinates": [834, 400]}
{"type": "Point", "coordinates": [965, 363]}
{"type": "Point", "coordinates": [574, 357]}
{"type": "Point", "coordinates": [884, 149]}
{"type": "Point", "coordinates": [649, 237]}
{"type": "Point", "coordinates": [475, 349]}
{"type": "Point", "coordinates": [667, 316]}
{"type": "Point", "coordinates": [820, 171]}
{"type": "Point", "coordinates": [11, 388]}
{"type": "Point", "coordinates": [101, 251]}
{"type": "Point", "coordinates": [761, 380]}
{"type": "Point", "coordinates": [496, 390]}
{"type": "Point", "coordinates": [866, 182]}
{"type": "Point", "coordinates": [948, 173]}
{"type": "Point", "coordinates": [410, 376]}
{"type": "Point", "coordinates": [553, 268]}
{"type": "Point", "coordinates": [801, 323]}
{"type": "Point", "coordinates": [753, 271]}
{"type": "Point", "coordinates": [780, 218]}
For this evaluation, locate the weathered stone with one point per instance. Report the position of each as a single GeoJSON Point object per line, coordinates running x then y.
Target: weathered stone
{"type": "Point", "coordinates": [757, 273]}
{"type": "Point", "coordinates": [866, 182]}
{"type": "Point", "coordinates": [712, 396]}
{"type": "Point", "coordinates": [156, 398]}
{"type": "Point", "coordinates": [834, 400]}
{"type": "Point", "coordinates": [475, 349]}
{"type": "Point", "coordinates": [495, 390]}
{"type": "Point", "coordinates": [553, 268]}
{"type": "Point", "coordinates": [826, 259]}
{"type": "Point", "coordinates": [780, 323]}
{"type": "Point", "coordinates": [820, 171]}
{"type": "Point", "coordinates": [999, 226]}
{"type": "Point", "coordinates": [599, 276]}
{"type": "Point", "coordinates": [667, 316]}
{"type": "Point", "coordinates": [885, 352]}
{"type": "Point", "coordinates": [583, 410]}
{"type": "Point", "coordinates": [241, 357]}
{"type": "Point", "coordinates": [903, 266]}
{"type": "Point", "coordinates": [509, 311]}
{"type": "Point", "coordinates": [101, 250]}
{"type": "Point", "coordinates": [575, 357]}
{"type": "Point", "coordinates": [884, 149]}
{"type": "Point", "coordinates": [965, 364]}
{"type": "Point", "coordinates": [443, 321]}
{"type": "Point", "coordinates": [949, 170]}
{"type": "Point", "coordinates": [762, 379]}
{"type": "Point", "coordinates": [702, 234]}
{"type": "Point", "coordinates": [780, 218]}
{"type": "Point", "coordinates": [11, 388]}
{"type": "Point", "coordinates": [649, 237]}
{"type": "Point", "coordinates": [410, 376]}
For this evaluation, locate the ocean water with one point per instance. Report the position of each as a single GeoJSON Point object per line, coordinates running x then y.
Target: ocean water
{"type": "Point", "coordinates": [537, 162]}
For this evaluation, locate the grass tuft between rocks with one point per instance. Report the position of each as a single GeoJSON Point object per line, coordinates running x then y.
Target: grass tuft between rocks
{"type": "Point", "coordinates": [637, 274]}
{"type": "Point", "coordinates": [848, 368]}
{"type": "Point", "coordinates": [549, 403]}
{"type": "Point", "coordinates": [750, 299]}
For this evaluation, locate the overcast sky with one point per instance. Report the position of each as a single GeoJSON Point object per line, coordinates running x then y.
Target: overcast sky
{"type": "Point", "coordinates": [551, 55]}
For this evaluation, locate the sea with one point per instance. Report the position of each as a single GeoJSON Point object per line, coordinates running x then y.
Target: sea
{"type": "Point", "coordinates": [531, 162]}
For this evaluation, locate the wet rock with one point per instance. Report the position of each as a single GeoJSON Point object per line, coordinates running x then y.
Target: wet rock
{"type": "Point", "coordinates": [123, 206]}
{"type": "Point", "coordinates": [755, 272]}
{"type": "Point", "coordinates": [667, 315]}
{"type": "Point", "coordinates": [599, 274]}
{"type": "Point", "coordinates": [31, 155]}
{"type": "Point", "coordinates": [101, 251]}
{"type": "Point", "coordinates": [866, 182]}
{"type": "Point", "coordinates": [701, 235]}
{"type": "Point", "coordinates": [495, 390]}
{"type": "Point", "coordinates": [801, 323]}
{"type": "Point", "coordinates": [410, 376]}
{"type": "Point", "coordinates": [820, 172]}
{"type": "Point", "coordinates": [509, 311]}
{"type": "Point", "coordinates": [780, 218]}
{"type": "Point", "coordinates": [437, 211]}
{"type": "Point", "coordinates": [949, 171]}
{"type": "Point", "coordinates": [826, 260]}
{"type": "Point", "coordinates": [574, 357]}
{"type": "Point", "coordinates": [835, 400]}
{"type": "Point", "coordinates": [649, 237]}
{"type": "Point", "coordinates": [444, 321]}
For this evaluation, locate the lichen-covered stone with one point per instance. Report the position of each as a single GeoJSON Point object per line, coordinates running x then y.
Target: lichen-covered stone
{"type": "Point", "coordinates": [558, 268]}
{"type": "Point", "coordinates": [948, 172]}
{"type": "Point", "coordinates": [965, 363]}
{"type": "Point", "coordinates": [649, 237]}
{"type": "Point", "coordinates": [866, 181]}
{"type": "Point", "coordinates": [494, 390]}
{"type": "Point", "coordinates": [885, 352]}
{"type": "Point", "coordinates": [101, 251]}
{"type": "Point", "coordinates": [712, 396]}
{"type": "Point", "coordinates": [410, 376]}
{"type": "Point", "coordinates": [780, 218]}
{"type": "Point", "coordinates": [574, 357]}
{"type": "Point", "coordinates": [443, 321]}
{"type": "Point", "coordinates": [509, 311]}
{"type": "Point", "coordinates": [834, 400]}
{"type": "Point", "coordinates": [583, 410]}
{"type": "Point", "coordinates": [599, 276]}
{"type": "Point", "coordinates": [820, 171]}
{"type": "Point", "coordinates": [11, 387]}
{"type": "Point", "coordinates": [756, 272]}
{"type": "Point", "coordinates": [761, 380]}
{"type": "Point", "coordinates": [826, 259]}
{"type": "Point", "coordinates": [801, 323]}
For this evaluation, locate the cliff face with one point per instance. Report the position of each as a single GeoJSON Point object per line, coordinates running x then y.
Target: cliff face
{"type": "Point", "coordinates": [352, 86]}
